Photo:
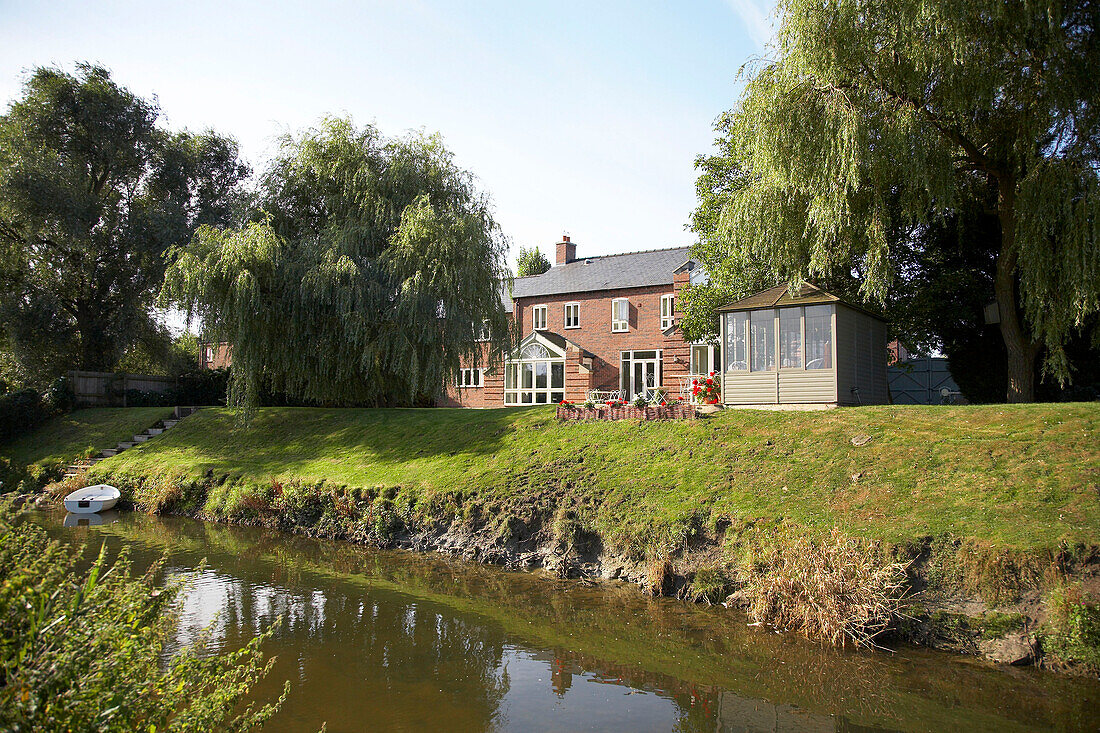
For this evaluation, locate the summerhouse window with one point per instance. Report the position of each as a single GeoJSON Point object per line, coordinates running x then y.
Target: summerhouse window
{"type": "Point", "coordinates": [819, 337]}
{"type": "Point", "coordinates": [620, 315]}
{"type": "Point", "coordinates": [790, 338]}
{"type": "Point", "coordinates": [666, 311]}
{"type": "Point", "coordinates": [538, 317]}
{"type": "Point", "coordinates": [762, 340]}
{"type": "Point", "coordinates": [572, 315]}
{"type": "Point", "coordinates": [737, 351]}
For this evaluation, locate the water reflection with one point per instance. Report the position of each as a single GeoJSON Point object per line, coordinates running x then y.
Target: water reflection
{"type": "Point", "coordinates": [393, 641]}
{"type": "Point", "coordinates": [91, 520]}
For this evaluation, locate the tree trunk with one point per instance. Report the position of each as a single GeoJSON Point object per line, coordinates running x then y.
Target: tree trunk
{"type": "Point", "coordinates": [1020, 349]}
{"type": "Point", "coordinates": [96, 351]}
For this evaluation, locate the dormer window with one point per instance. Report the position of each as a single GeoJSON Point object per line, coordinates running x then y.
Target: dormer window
{"type": "Point", "coordinates": [538, 317]}
{"type": "Point", "coordinates": [620, 315]}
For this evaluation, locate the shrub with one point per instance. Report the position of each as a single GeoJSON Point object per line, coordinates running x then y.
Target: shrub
{"type": "Point", "coordinates": [1073, 628]}
{"type": "Point", "coordinates": [21, 412]}
{"type": "Point", "coordinates": [834, 589]}
{"type": "Point", "coordinates": [85, 648]}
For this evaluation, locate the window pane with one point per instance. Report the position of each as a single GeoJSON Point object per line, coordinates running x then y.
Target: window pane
{"type": "Point", "coordinates": [699, 359]}
{"type": "Point", "coordinates": [557, 375]}
{"type": "Point", "coordinates": [540, 398]}
{"type": "Point", "coordinates": [528, 376]}
{"type": "Point", "coordinates": [557, 397]}
{"type": "Point", "coordinates": [819, 337]}
{"type": "Point", "coordinates": [540, 375]}
{"type": "Point", "coordinates": [624, 372]}
{"type": "Point", "coordinates": [736, 346]}
{"type": "Point", "coordinates": [645, 354]}
{"type": "Point", "coordinates": [790, 338]}
{"type": "Point", "coordinates": [762, 340]}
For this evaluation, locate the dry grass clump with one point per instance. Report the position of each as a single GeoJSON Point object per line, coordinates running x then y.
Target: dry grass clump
{"type": "Point", "coordinates": [660, 576]}
{"type": "Point", "coordinates": [836, 588]}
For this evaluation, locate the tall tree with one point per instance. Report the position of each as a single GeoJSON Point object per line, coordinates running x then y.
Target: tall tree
{"type": "Point", "coordinates": [531, 262]}
{"type": "Point", "coordinates": [92, 195]}
{"type": "Point", "coordinates": [366, 276]}
{"type": "Point", "coordinates": [881, 115]}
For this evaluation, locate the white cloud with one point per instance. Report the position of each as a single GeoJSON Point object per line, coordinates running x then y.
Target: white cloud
{"type": "Point", "coordinates": [757, 19]}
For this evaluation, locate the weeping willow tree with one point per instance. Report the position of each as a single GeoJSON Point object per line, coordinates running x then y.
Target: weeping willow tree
{"type": "Point", "coordinates": [883, 116]}
{"type": "Point", "coordinates": [365, 277]}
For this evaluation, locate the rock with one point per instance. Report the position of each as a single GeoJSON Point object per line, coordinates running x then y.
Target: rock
{"type": "Point", "coordinates": [1013, 648]}
{"type": "Point", "coordinates": [861, 440]}
{"type": "Point", "coordinates": [738, 599]}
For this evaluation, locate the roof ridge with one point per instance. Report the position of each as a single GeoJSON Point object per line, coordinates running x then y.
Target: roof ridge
{"type": "Point", "coordinates": [604, 257]}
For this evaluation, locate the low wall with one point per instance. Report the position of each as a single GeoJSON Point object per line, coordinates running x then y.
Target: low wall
{"type": "Point", "coordinates": [628, 412]}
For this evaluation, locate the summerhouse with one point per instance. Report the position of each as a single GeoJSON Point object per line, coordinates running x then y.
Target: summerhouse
{"type": "Point", "coordinates": [810, 349]}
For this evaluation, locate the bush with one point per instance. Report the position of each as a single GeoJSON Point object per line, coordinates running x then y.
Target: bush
{"type": "Point", "coordinates": [21, 412]}
{"type": "Point", "coordinates": [85, 648]}
{"type": "Point", "coordinates": [1072, 635]}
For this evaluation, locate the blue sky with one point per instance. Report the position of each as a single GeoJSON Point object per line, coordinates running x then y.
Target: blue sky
{"type": "Point", "coordinates": [578, 117]}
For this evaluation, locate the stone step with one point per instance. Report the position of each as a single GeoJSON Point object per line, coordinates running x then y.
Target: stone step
{"type": "Point", "coordinates": [153, 431]}
{"type": "Point", "coordinates": [141, 438]}
{"type": "Point", "coordinates": [124, 445]}
{"type": "Point", "coordinates": [108, 452]}
{"type": "Point", "coordinates": [169, 423]}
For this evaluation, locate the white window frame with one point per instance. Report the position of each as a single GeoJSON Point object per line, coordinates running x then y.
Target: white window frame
{"type": "Point", "coordinates": [485, 334]}
{"type": "Point", "coordinates": [535, 311]}
{"type": "Point", "coordinates": [667, 313]}
{"type": "Point", "coordinates": [576, 313]}
{"type": "Point", "coordinates": [470, 377]}
{"type": "Point", "coordinates": [515, 394]}
{"type": "Point", "coordinates": [619, 325]}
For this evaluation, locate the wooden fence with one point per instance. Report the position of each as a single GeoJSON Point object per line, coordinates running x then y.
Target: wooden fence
{"type": "Point", "coordinates": [923, 381]}
{"type": "Point", "coordinates": [108, 389]}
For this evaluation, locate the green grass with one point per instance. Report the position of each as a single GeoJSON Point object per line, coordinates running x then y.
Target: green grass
{"type": "Point", "coordinates": [1021, 477]}
{"type": "Point", "coordinates": [67, 437]}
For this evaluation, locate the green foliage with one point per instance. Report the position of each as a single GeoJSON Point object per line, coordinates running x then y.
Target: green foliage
{"type": "Point", "coordinates": [158, 352]}
{"type": "Point", "coordinates": [531, 262]}
{"type": "Point", "coordinates": [877, 118]}
{"type": "Point", "coordinates": [1072, 634]}
{"type": "Point", "coordinates": [365, 278]}
{"type": "Point", "coordinates": [92, 195]}
{"type": "Point", "coordinates": [84, 648]}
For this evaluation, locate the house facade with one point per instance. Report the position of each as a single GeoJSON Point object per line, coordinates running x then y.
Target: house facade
{"type": "Point", "coordinates": [602, 324]}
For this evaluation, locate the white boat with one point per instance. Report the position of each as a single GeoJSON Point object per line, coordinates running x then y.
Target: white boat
{"type": "Point", "coordinates": [92, 499]}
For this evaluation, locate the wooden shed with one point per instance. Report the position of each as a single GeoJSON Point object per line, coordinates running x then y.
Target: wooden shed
{"type": "Point", "coordinates": [807, 350]}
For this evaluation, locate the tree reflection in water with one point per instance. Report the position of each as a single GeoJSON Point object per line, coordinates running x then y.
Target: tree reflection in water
{"type": "Point", "coordinates": [396, 641]}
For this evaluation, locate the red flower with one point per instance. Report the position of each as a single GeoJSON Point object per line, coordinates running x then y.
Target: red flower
{"type": "Point", "coordinates": [664, 404]}
{"type": "Point", "coordinates": [694, 382]}
{"type": "Point", "coordinates": [709, 381]}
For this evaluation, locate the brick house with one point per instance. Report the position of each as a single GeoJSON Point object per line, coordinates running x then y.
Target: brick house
{"type": "Point", "coordinates": [604, 324]}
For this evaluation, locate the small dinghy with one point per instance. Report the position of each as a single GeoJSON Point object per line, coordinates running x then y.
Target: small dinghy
{"type": "Point", "coordinates": [92, 499]}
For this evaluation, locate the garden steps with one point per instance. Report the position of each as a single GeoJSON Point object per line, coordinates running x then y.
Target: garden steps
{"type": "Point", "coordinates": [78, 468]}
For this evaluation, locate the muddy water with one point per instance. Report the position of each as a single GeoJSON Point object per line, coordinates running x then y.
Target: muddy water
{"type": "Point", "coordinates": [392, 641]}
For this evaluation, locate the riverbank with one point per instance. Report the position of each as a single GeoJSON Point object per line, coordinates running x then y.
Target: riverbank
{"type": "Point", "coordinates": [989, 514]}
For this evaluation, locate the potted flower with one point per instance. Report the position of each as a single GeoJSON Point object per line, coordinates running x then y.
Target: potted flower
{"type": "Point", "coordinates": [706, 390]}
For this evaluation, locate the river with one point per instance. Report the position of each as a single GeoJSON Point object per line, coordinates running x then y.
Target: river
{"type": "Point", "coordinates": [395, 641]}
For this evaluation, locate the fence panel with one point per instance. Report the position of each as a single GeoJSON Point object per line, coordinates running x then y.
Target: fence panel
{"type": "Point", "coordinates": [108, 389]}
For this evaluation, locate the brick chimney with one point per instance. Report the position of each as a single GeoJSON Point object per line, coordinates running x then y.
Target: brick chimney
{"type": "Point", "coordinates": [566, 251]}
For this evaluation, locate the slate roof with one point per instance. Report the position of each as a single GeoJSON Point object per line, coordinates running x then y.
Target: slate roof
{"type": "Point", "coordinates": [608, 272]}
{"type": "Point", "coordinates": [780, 296]}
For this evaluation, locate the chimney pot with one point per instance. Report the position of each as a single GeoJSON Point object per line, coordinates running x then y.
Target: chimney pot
{"type": "Point", "coordinates": [565, 251]}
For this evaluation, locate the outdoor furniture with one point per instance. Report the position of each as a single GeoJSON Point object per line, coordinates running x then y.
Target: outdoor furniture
{"type": "Point", "coordinates": [604, 395]}
{"type": "Point", "coordinates": [686, 385]}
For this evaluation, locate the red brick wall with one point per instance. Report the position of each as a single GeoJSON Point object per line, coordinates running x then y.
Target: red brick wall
{"type": "Point", "coordinates": [595, 333]}
{"type": "Point", "coordinates": [490, 394]}
{"type": "Point", "coordinates": [220, 353]}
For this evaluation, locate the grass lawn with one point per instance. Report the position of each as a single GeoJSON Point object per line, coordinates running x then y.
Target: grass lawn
{"type": "Point", "coordinates": [67, 437]}
{"type": "Point", "coordinates": [1014, 476]}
